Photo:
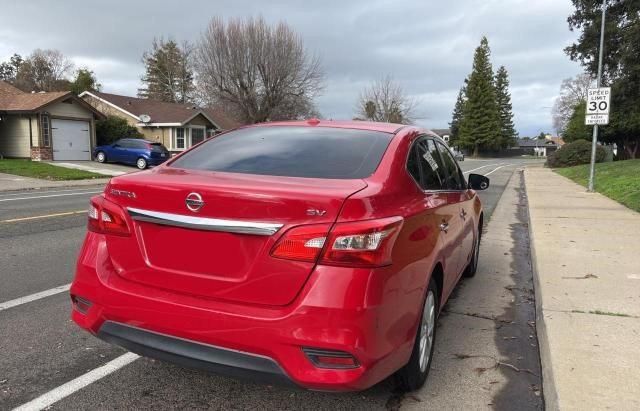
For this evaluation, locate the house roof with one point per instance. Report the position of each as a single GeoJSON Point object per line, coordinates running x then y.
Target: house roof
{"type": "Point", "coordinates": [6, 88]}
{"type": "Point", "coordinates": [442, 131]}
{"type": "Point", "coordinates": [162, 112]}
{"type": "Point", "coordinates": [13, 100]}
{"type": "Point", "coordinates": [535, 143]}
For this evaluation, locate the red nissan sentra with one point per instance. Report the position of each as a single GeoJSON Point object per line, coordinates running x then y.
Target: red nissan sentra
{"type": "Point", "coordinates": [317, 253]}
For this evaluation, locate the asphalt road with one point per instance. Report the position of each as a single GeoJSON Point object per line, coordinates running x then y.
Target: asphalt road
{"type": "Point", "coordinates": [41, 349]}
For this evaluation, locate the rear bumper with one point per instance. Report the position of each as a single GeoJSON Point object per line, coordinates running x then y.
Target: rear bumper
{"type": "Point", "coordinates": [356, 311]}
{"type": "Point", "coordinates": [193, 354]}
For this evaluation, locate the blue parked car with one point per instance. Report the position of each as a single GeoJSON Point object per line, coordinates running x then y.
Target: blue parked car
{"type": "Point", "coordinates": [134, 151]}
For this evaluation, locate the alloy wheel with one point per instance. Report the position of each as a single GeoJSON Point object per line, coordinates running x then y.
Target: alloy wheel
{"type": "Point", "coordinates": [427, 327]}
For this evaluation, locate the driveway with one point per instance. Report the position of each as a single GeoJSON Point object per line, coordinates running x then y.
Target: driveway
{"type": "Point", "coordinates": [95, 167]}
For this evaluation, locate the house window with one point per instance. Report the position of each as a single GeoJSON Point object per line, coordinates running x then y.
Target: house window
{"type": "Point", "coordinates": [197, 135]}
{"type": "Point", "coordinates": [46, 130]}
{"type": "Point", "coordinates": [180, 138]}
{"type": "Point", "coordinates": [211, 132]}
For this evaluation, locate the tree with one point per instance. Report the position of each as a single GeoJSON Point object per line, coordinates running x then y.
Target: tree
{"type": "Point", "coordinates": [44, 70]}
{"type": "Point", "coordinates": [113, 128]}
{"type": "Point", "coordinates": [572, 92]}
{"type": "Point", "coordinates": [85, 81]}
{"type": "Point", "coordinates": [385, 101]}
{"type": "Point", "coordinates": [456, 117]}
{"type": "Point", "coordinates": [255, 70]}
{"type": "Point", "coordinates": [9, 69]}
{"type": "Point", "coordinates": [508, 133]}
{"type": "Point", "coordinates": [575, 128]}
{"type": "Point", "coordinates": [621, 64]}
{"type": "Point", "coordinates": [168, 72]}
{"type": "Point", "coordinates": [480, 125]}
{"type": "Point", "coordinates": [542, 135]}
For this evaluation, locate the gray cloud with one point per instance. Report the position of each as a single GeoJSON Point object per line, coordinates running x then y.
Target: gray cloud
{"type": "Point", "coordinates": [426, 45]}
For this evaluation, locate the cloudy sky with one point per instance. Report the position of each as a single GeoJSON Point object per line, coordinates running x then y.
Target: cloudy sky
{"type": "Point", "coordinates": [427, 45]}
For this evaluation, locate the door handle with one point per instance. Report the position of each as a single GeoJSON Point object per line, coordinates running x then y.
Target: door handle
{"type": "Point", "coordinates": [444, 226]}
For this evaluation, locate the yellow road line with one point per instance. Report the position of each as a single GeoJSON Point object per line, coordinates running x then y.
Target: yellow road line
{"type": "Point", "coordinates": [15, 220]}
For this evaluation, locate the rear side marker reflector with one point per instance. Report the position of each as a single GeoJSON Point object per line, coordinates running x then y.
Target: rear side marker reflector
{"type": "Point", "coordinates": [80, 304]}
{"type": "Point", "coordinates": [330, 358]}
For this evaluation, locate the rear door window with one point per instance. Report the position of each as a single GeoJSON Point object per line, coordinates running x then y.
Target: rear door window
{"type": "Point", "coordinates": [454, 178]}
{"type": "Point", "coordinates": [292, 151]}
{"type": "Point", "coordinates": [425, 165]}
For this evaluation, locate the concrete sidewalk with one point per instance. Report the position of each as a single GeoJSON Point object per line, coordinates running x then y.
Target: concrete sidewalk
{"type": "Point", "coordinates": [586, 256]}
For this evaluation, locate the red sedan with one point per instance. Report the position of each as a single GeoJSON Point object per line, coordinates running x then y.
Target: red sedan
{"type": "Point", "coordinates": [316, 253]}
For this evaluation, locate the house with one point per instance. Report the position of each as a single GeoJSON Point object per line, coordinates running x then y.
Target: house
{"type": "Point", "coordinates": [444, 133]}
{"type": "Point", "coordinates": [176, 126]}
{"type": "Point", "coordinates": [45, 126]}
{"type": "Point", "coordinates": [537, 147]}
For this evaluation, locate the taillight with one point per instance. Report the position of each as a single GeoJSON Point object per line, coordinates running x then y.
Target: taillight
{"type": "Point", "coordinates": [302, 243]}
{"type": "Point", "coordinates": [106, 217]}
{"type": "Point", "coordinates": [355, 244]}
{"type": "Point", "coordinates": [363, 243]}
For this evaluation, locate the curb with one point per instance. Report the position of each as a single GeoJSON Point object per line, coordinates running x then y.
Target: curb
{"type": "Point", "coordinates": [71, 184]}
{"type": "Point", "coordinates": [549, 390]}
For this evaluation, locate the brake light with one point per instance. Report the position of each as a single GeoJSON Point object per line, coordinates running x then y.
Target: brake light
{"type": "Point", "coordinates": [355, 244]}
{"type": "Point", "coordinates": [363, 243]}
{"type": "Point", "coordinates": [106, 217]}
{"type": "Point", "coordinates": [302, 243]}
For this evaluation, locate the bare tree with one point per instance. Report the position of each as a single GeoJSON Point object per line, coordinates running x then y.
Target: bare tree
{"type": "Point", "coordinates": [385, 101]}
{"type": "Point", "coordinates": [44, 70]}
{"type": "Point", "coordinates": [572, 92]}
{"type": "Point", "coordinates": [257, 71]}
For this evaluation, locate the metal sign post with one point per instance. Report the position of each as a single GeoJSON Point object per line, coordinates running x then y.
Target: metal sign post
{"type": "Point", "coordinates": [594, 141]}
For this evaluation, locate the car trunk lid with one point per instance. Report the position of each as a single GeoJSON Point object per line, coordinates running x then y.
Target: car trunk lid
{"type": "Point", "coordinates": [217, 244]}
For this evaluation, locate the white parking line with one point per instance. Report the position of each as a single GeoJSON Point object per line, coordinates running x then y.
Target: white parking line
{"type": "Point", "coordinates": [49, 196]}
{"type": "Point", "coordinates": [34, 297]}
{"type": "Point", "coordinates": [478, 168]}
{"type": "Point", "coordinates": [498, 168]}
{"type": "Point", "coordinates": [63, 391]}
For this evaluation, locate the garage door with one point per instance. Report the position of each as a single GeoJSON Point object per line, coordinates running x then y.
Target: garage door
{"type": "Point", "coordinates": [71, 140]}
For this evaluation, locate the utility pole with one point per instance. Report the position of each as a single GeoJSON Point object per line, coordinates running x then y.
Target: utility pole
{"type": "Point", "coordinates": [594, 141]}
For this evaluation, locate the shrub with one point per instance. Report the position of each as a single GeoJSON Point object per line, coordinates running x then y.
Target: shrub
{"type": "Point", "coordinates": [114, 128]}
{"type": "Point", "coordinates": [572, 154]}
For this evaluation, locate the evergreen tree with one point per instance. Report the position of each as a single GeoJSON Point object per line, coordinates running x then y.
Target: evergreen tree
{"type": "Point", "coordinates": [456, 117]}
{"type": "Point", "coordinates": [168, 72]}
{"type": "Point", "coordinates": [85, 81]}
{"type": "Point", "coordinates": [575, 128]}
{"type": "Point", "coordinates": [480, 125]}
{"type": "Point", "coordinates": [508, 133]}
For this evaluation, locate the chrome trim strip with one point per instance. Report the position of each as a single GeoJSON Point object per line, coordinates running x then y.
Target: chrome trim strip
{"type": "Point", "coordinates": [203, 223]}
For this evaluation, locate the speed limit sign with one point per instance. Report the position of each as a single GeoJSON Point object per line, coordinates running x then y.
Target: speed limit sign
{"type": "Point", "coordinates": [598, 100]}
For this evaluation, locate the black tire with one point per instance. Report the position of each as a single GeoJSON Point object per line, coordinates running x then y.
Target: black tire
{"type": "Point", "coordinates": [101, 157]}
{"type": "Point", "coordinates": [413, 376]}
{"type": "Point", "coordinates": [472, 268]}
{"type": "Point", "coordinates": [141, 163]}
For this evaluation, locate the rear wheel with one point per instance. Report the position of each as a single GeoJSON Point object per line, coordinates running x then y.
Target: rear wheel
{"type": "Point", "coordinates": [413, 375]}
{"type": "Point", "coordinates": [472, 268]}
{"type": "Point", "coordinates": [141, 163]}
{"type": "Point", "coordinates": [101, 157]}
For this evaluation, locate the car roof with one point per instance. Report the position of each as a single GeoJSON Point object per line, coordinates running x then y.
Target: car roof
{"type": "Point", "coordinates": [353, 124]}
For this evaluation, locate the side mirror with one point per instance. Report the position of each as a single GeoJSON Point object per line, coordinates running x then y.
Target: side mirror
{"type": "Point", "coordinates": [478, 182]}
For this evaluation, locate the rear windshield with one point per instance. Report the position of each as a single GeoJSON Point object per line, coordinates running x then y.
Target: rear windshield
{"type": "Point", "coordinates": [317, 152]}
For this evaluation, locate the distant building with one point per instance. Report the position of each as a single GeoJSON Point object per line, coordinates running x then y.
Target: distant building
{"type": "Point", "coordinates": [444, 133]}
{"type": "Point", "coordinates": [537, 147]}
